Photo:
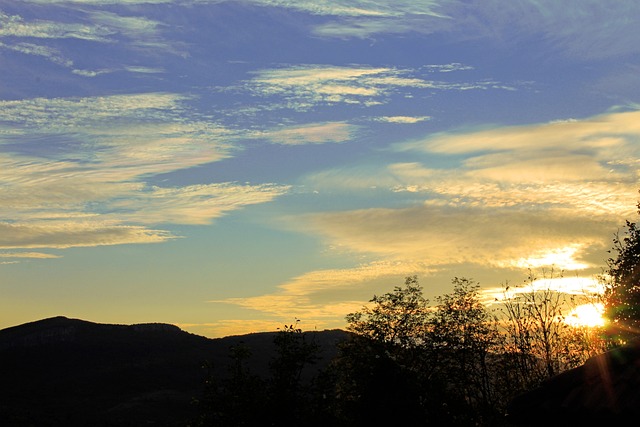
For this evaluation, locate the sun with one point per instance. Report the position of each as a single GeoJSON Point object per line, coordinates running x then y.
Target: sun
{"type": "Point", "coordinates": [586, 315]}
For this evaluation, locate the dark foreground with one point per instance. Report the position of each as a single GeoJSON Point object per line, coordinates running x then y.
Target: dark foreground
{"type": "Point", "coordinates": [67, 372]}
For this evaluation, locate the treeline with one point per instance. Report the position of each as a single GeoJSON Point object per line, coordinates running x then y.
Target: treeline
{"type": "Point", "coordinates": [456, 362]}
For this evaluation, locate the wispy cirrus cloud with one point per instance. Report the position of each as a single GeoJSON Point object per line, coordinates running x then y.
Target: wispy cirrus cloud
{"type": "Point", "coordinates": [140, 31]}
{"type": "Point", "coordinates": [587, 29]}
{"type": "Point", "coordinates": [88, 184]}
{"type": "Point", "coordinates": [51, 54]}
{"type": "Point", "coordinates": [38, 36]}
{"type": "Point", "coordinates": [33, 255]}
{"type": "Point", "coordinates": [67, 234]}
{"type": "Point", "coordinates": [359, 7]}
{"type": "Point", "coordinates": [305, 87]}
{"type": "Point", "coordinates": [55, 56]}
{"type": "Point", "coordinates": [361, 18]}
{"type": "Point", "coordinates": [16, 26]}
{"type": "Point", "coordinates": [59, 114]}
{"type": "Point", "coordinates": [592, 159]}
{"type": "Point", "coordinates": [601, 134]}
{"type": "Point", "coordinates": [194, 204]}
{"type": "Point", "coordinates": [583, 29]}
{"type": "Point", "coordinates": [109, 2]}
{"type": "Point", "coordinates": [318, 7]}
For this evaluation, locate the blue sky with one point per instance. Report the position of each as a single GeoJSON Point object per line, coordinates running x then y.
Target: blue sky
{"type": "Point", "coordinates": [230, 165]}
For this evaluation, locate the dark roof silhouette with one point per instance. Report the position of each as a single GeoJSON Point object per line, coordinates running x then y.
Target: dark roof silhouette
{"type": "Point", "coordinates": [605, 389]}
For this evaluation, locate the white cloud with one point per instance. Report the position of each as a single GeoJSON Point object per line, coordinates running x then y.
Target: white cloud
{"type": "Point", "coordinates": [131, 32]}
{"type": "Point", "coordinates": [448, 68]}
{"type": "Point", "coordinates": [316, 7]}
{"type": "Point", "coordinates": [196, 204]}
{"type": "Point", "coordinates": [604, 134]}
{"type": "Point", "coordinates": [64, 114]}
{"type": "Point", "coordinates": [128, 135]}
{"type": "Point", "coordinates": [66, 234]}
{"type": "Point", "coordinates": [581, 163]}
{"type": "Point", "coordinates": [87, 185]}
{"type": "Point", "coordinates": [90, 73]}
{"type": "Point", "coordinates": [512, 198]}
{"type": "Point", "coordinates": [34, 255]}
{"type": "Point", "coordinates": [139, 30]}
{"type": "Point", "coordinates": [587, 165]}
{"type": "Point", "coordinates": [306, 86]}
{"type": "Point", "coordinates": [16, 26]}
{"type": "Point", "coordinates": [403, 119]}
{"type": "Point", "coordinates": [144, 70]}
{"type": "Point", "coordinates": [52, 54]}
{"type": "Point", "coordinates": [588, 29]}
{"type": "Point", "coordinates": [362, 18]}
{"type": "Point", "coordinates": [107, 2]}
{"type": "Point", "coordinates": [582, 28]}
{"type": "Point", "coordinates": [361, 8]}
{"type": "Point", "coordinates": [457, 235]}
{"type": "Point", "coordinates": [314, 133]}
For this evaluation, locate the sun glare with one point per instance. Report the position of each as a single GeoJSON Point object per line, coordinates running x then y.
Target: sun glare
{"type": "Point", "coordinates": [563, 258]}
{"type": "Point", "coordinates": [589, 315]}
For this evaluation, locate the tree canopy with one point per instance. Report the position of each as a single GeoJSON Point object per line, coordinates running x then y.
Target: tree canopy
{"type": "Point", "coordinates": [622, 295]}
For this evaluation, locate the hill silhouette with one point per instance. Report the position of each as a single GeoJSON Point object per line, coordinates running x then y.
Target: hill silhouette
{"type": "Point", "coordinates": [67, 372]}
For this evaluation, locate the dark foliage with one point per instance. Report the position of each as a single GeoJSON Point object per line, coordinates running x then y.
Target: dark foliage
{"type": "Point", "coordinates": [622, 297]}
{"type": "Point", "coordinates": [411, 363]}
{"type": "Point", "coordinates": [289, 395]}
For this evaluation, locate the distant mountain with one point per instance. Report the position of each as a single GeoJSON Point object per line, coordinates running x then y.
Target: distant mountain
{"type": "Point", "coordinates": [66, 372]}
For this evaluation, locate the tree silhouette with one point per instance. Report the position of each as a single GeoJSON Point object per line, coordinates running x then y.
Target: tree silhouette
{"type": "Point", "coordinates": [622, 294]}
{"type": "Point", "coordinates": [463, 335]}
{"type": "Point", "coordinates": [289, 397]}
{"type": "Point", "coordinates": [430, 364]}
{"type": "Point", "coordinates": [378, 370]}
{"type": "Point", "coordinates": [237, 400]}
{"type": "Point", "coordinates": [406, 362]}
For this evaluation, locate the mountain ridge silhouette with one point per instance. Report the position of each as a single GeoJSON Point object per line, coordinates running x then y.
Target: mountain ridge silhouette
{"type": "Point", "coordinates": [61, 371]}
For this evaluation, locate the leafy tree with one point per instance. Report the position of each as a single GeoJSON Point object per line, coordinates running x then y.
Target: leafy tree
{"type": "Point", "coordinates": [622, 294]}
{"type": "Point", "coordinates": [398, 318]}
{"type": "Point", "coordinates": [430, 364]}
{"type": "Point", "coordinates": [464, 334]}
{"type": "Point", "coordinates": [378, 370]}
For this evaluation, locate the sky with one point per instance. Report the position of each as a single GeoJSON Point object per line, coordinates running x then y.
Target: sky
{"type": "Point", "coordinates": [230, 166]}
